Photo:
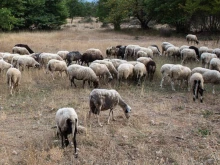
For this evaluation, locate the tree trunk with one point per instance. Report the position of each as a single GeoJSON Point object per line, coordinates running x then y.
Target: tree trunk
{"type": "Point", "coordinates": [117, 26]}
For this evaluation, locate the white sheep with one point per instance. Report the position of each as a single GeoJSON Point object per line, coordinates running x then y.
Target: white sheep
{"type": "Point", "coordinates": [124, 71]}
{"type": "Point", "coordinates": [57, 65]}
{"type": "Point", "coordinates": [63, 53]}
{"type": "Point", "coordinates": [44, 58]}
{"type": "Point", "coordinates": [104, 99]}
{"type": "Point", "coordinates": [140, 71]}
{"type": "Point", "coordinates": [165, 71]}
{"type": "Point", "coordinates": [8, 57]}
{"type": "Point", "coordinates": [165, 46]}
{"type": "Point", "coordinates": [84, 73]}
{"type": "Point", "coordinates": [129, 50]}
{"type": "Point", "coordinates": [20, 50]}
{"type": "Point", "coordinates": [213, 77]}
{"type": "Point", "coordinates": [4, 65]}
{"type": "Point", "coordinates": [217, 52]}
{"type": "Point", "coordinates": [13, 78]}
{"type": "Point", "coordinates": [67, 123]}
{"type": "Point", "coordinates": [101, 70]}
{"type": "Point", "coordinates": [173, 51]}
{"type": "Point", "coordinates": [155, 50]}
{"type": "Point", "coordinates": [215, 64]}
{"type": "Point", "coordinates": [199, 70]}
{"type": "Point", "coordinates": [111, 51]}
{"type": "Point", "coordinates": [117, 62]}
{"type": "Point", "coordinates": [27, 61]}
{"type": "Point", "coordinates": [183, 47]}
{"type": "Point", "coordinates": [187, 54]}
{"type": "Point", "coordinates": [197, 86]}
{"type": "Point", "coordinates": [144, 60]}
{"type": "Point", "coordinates": [203, 49]}
{"type": "Point", "coordinates": [146, 50]}
{"type": "Point", "coordinates": [192, 38]}
{"type": "Point", "coordinates": [142, 53]}
{"type": "Point", "coordinates": [181, 73]}
{"type": "Point", "coordinates": [206, 58]}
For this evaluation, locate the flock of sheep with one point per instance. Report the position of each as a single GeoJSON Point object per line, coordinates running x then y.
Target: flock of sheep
{"type": "Point", "coordinates": [140, 66]}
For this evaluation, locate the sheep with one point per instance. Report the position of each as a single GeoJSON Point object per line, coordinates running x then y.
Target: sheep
{"type": "Point", "coordinates": [165, 71]}
{"type": "Point", "coordinates": [183, 47]}
{"type": "Point", "coordinates": [140, 71]}
{"type": "Point", "coordinates": [151, 68]}
{"type": "Point", "coordinates": [25, 46]}
{"type": "Point", "coordinates": [192, 38]}
{"type": "Point", "coordinates": [8, 57]}
{"type": "Point", "coordinates": [206, 58]}
{"type": "Point", "coordinates": [111, 51]}
{"type": "Point", "coordinates": [13, 78]}
{"type": "Point", "coordinates": [117, 62]}
{"type": "Point", "coordinates": [196, 50]}
{"type": "Point", "coordinates": [129, 51]}
{"type": "Point", "coordinates": [173, 51]}
{"type": "Point", "coordinates": [144, 60]}
{"type": "Point", "coordinates": [187, 54]}
{"type": "Point", "coordinates": [197, 85]}
{"type": "Point", "coordinates": [67, 123]}
{"type": "Point", "coordinates": [4, 65]}
{"type": "Point", "coordinates": [24, 61]}
{"type": "Point", "coordinates": [141, 53]}
{"type": "Point", "coordinates": [165, 46]}
{"type": "Point", "coordinates": [15, 59]}
{"type": "Point", "coordinates": [124, 71]}
{"type": "Point", "coordinates": [146, 50]}
{"type": "Point", "coordinates": [199, 70]}
{"type": "Point", "coordinates": [213, 77]}
{"type": "Point", "coordinates": [73, 56]}
{"type": "Point", "coordinates": [101, 70]}
{"type": "Point", "coordinates": [120, 51]}
{"type": "Point", "coordinates": [104, 99]}
{"type": "Point", "coordinates": [203, 49]}
{"type": "Point", "coordinates": [155, 50]}
{"type": "Point", "coordinates": [63, 53]}
{"type": "Point", "coordinates": [215, 64]}
{"type": "Point", "coordinates": [20, 50]}
{"type": "Point", "coordinates": [84, 73]}
{"type": "Point", "coordinates": [91, 55]}
{"type": "Point", "coordinates": [44, 58]}
{"type": "Point", "coordinates": [217, 52]}
{"type": "Point", "coordinates": [56, 65]}
{"type": "Point", "coordinates": [179, 72]}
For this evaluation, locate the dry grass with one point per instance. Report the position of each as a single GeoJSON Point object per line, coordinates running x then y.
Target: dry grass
{"type": "Point", "coordinates": [165, 128]}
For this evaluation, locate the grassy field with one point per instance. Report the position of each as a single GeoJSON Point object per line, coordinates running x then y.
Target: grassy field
{"type": "Point", "coordinates": [165, 127]}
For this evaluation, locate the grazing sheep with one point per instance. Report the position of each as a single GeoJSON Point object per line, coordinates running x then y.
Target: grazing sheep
{"type": "Point", "coordinates": [4, 65]}
{"type": "Point", "coordinates": [144, 60]}
{"type": "Point", "coordinates": [20, 50]}
{"type": "Point", "coordinates": [192, 38]}
{"type": "Point", "coordinates": [217, 52]}
{"type": "Point", "coordinates": [67, 123]}
{"type": "Point", "coordinates": [206, 58]}
{"type": "Point", "coordinates": [124, 71]}
{"type": "Point", "coordinates": [142, 54]}
{"type": "Point", "coordinates": [120, 52]}
{"type": "Point", "coordinates": [8, 57]}
{"type": "Point", "coordinates": [56, 65]}
{"type": "Point", "coordinates": [187, 54]}
{"type": "Point", "coordinates": [165, 46]}
{"type": "Point", "coordinates": [165, 71]}
{"type": "Point", "coordinates": [117, 62]}
{"type": "Point", "coordinates": [173, 51]}
{"type": "Point", "coordinates": [25, 46]}
{"type": "Point", "coordinates": [155, 49]}
{"type": "Point", "coordinates": [91, 55]}
{"type": "Point", "coordinates": [133, 62]}
{"type": "Point", "coordinates": [104, 99]}
{"type": "Point", "coordinates": [140, 71]}
{"type": "Point", "coordinates": [199, 70]}
{"type": "Point", "coordinates": [63, 53]}
{"type": "Point", "coordinates": [13, 78]}
{"type": "Point", "coordinates": [183, 47]}
{"type": "Point", "coordinates": [196, 82]}
{"type": "Point", "coordinates": [203, 49]}
{"type": "Point", "coordinates": [146, 50]}
{"type": "Point", "coordinates": [73, 56]}
{"type": "Point", "coordinates": [179, 72]}
{"type": "Point", "coordinates": [27, 61]}
{"type": "Point", "coordinates": [215, 64]}
{"type": "Point", "coordinates": [101, 70]}
{"type": "Point", "coordinates": [111, 51]}
{"type": "Point", "coordinates": [196, 50]}
{"type": "Point", "coordinates": [151, 68]}
{"type": "Point", "coordinates": [84, 73]}
{"type": "Point", "coordinates": [212, 77]}
{"type": "Point", "coordinates": [44, 58]}
{"type": "Point", "coordinates": [129, 51]}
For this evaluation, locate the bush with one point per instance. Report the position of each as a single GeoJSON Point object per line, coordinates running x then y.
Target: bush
{"type": "Point", "coordinates": [165, 32]}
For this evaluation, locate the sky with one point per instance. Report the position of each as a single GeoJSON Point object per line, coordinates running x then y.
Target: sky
{"type": "Point", "coordinates": [90, 0]}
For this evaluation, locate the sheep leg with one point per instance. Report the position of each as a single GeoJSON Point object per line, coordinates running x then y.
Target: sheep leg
{"type": "Point", "coordinates": [72, 82]}
{"type": "Point", "coordinates": [172, 85]}
{"type": "Point", "coordinates": [213, 89]}
{"type": "Point", "coordinates": [161, 83]}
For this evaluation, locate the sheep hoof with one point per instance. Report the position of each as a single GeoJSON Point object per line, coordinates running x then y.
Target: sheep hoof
{"type": "Point", "coordinates": [76, 155]}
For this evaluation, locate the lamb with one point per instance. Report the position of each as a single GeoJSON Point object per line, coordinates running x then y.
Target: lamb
{"type": "Point", "coordinates": [140, 71]}
{"type": "Point", "coordinates": [144, 60]}
{"type": "Point", "coordinates": [84, 73]}
{"type": "Point", "coordinates": [173, 51]}
{"type": "Point", "coordinates": [187, 54]}
{"type": "Point", "coordinates": [24, 61]}
{"type": "Point", "coordinates": [179, 72]}
{"type": "Point", "coordinates": [67, 123]}
{"type": "Point", "coordinates": [124, 71]}
{"type": "Point", "coordinates": [91, 55]}
{"type": "Point", "coordinates": [13, 78]}
{"type": "Point", "coordinates": [4, 65]}
{"type": "Point", "coordinates": [109, 65]}
{"type": "Point", "coordinates": [165, 71]}
{"type": "Point", "coordinates": [44, 58]}
{"type": "Point", "coordinates": [213, 77]}
{"type": "Point", "coordinates": [217, 52]}
{"type": "Point", "coordinates": [206, 58]}
{"type": "Point", "coordinates": [165, 46]}
{"type": "Point", "coordinates": [101, 70]}
{"type": "Point", "coordinates": [56, 65]}
{"type": "Point", "coordinates": [104, 99]}
{"type": "Point", "coordinates": [73, 56]}
{"type": "Point", "coordinates": [20, 50]}
{"type": "Point", "coordinates": [197, 85]}
{"type": "Point", "coordinates": [151, 68]}
{"type": "Point", "coordinates": [192, 38]}
{"type": "Point", "coordinates": [63, 54]}
{"type": "Point", "coordinates": [25, 46]}
{"type": "Point", "coordinates": [215, 64]}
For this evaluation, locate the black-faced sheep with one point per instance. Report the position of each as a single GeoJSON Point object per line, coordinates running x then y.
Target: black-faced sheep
{"type": "Point", "coordinates": [196, 82]}
{"type": "Point", "coordinates": [73, 56]}
{"type": "Point", "coordinates": [57, 65]}
{"type": "Point", "coordinates": [103, 99]}
{"type": "Point", "coordinates": [192, 38]}
{"type": "Point", "coordinates": [13, 78]}
{"type": "Point", "coordinates": [4, 65]}
{"type": "Point", "coordinates": [20, 50]}
{"type": "Point", "coordinates": [151, 68]}
{"type": "Point", "coordinates": [84, 73]}
{"type": "Point", "coordinates": [91, 55]}
{"type": "Point", "coordinates": [25, 46]}
{"type": "Point", "coordinates": [67, 123]}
